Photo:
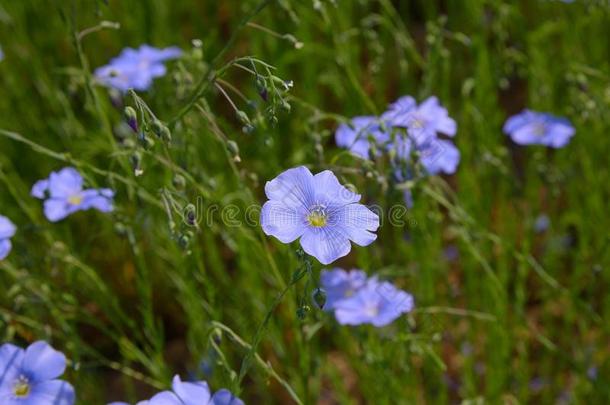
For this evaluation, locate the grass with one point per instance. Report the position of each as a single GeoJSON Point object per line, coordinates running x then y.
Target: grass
{"type": "Point", "coordinates": [510, 316]}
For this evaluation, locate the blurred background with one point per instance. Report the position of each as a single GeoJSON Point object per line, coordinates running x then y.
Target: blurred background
{"type": "Point", "coordinates": [508, 259]}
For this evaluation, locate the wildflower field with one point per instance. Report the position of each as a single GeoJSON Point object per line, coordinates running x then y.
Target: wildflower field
{"type": "Point", "coordinates": [304, 202]}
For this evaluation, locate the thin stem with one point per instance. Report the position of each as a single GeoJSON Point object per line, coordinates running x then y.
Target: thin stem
{"type": "Point", "coordinates": [207, 79]}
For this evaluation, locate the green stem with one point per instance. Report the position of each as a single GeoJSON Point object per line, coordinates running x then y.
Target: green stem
{"type": "Point", "coordinates": [207, 79]}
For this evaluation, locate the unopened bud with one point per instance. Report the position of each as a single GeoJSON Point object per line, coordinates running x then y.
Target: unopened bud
{"type": "Point", "coordinates": [233, 148]}
{"type": "Point", "coordinates": [303, 311]}
{"type": "Point", "coordinates": [156, 126]}
{"type": "Point", "coordinates": [136, 163]}
{"type": "Point", "coordinates": [190, 215]}
{"type": "Point", "coordinates": [185, 239]}
{"type": "Point", "coordinates": [179, 182]}
{"type": "Point", "coordinates": [319, 297]}
{"type": "Point", "coordinates": [131, 117]}
{"type": "Point", "coordinates": [166, 135]}
{"type": "Point", "coordinates": [243, 117]}
{"type": "Point", "coordinates": [147, 142]}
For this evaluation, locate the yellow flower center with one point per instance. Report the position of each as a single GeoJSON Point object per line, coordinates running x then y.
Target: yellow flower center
{"type": "Point", "coordinates": [317, 217]}
{"type": "Point", "coordinates": [21, 388]}
{"type": "Point", "coordinates": [75, 199]}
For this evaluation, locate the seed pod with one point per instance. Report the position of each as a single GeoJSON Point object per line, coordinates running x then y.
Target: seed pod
{"type": "Point", "coordinates": [303, 311]}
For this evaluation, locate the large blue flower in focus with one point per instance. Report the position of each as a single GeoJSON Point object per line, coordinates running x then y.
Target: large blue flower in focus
{"type": "Point", "coordinates": [136, 68]}
{"type": "Point", "coordinates": [320, 211]}
{"type": "Point", "coordinates": [536, 128]}
{"type": "Point", "coordinates": [64, 195]}
{"type": "Point", "coordinates": [29, 377]}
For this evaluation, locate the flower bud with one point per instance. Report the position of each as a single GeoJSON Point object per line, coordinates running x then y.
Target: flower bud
{"type": "Point", "coordinates": [233, 148]}
{"type": "Point", "coordinates": [243, 117]}
{"type": "Point", "coordinates": [156, 126]}
{"type": "Point", "coordinates": [185, 239]}
{"type": "Point", "coordinates": [147, 142]}
{"type": "Point", "coordinates": [190, 215]}
{"type": "Point", "coordinates": [319, 297]}
{"type": "Point", "coordinates": [166, 135]}
{"type": "Point", "coordinates": [179, 182]}
{"type": "Point", "coordinates": [303, 311]}
{"type": "Point", "coordinates": [136, 163]}
{"type": "Point", "coordinates": [131, 117]}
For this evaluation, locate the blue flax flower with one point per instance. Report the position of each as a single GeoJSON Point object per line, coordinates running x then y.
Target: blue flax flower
{"type": "Point", "coordinates": [7, 230]}
{"type": "Point", "coordinates": [435, 155]}
{"type": "Point", "coordinates": [136, 68]}
{"type": "Point", "coordinates": [190, 393]}
{"type": "Point", "coordinates": [423, 122]}
{"type": "Point", "coordinates": [29, 377]}
{"type": "Point", "coordinates": [356, 300]}
{"type": "Point", "coordinates": [64, 195]}
{"type": "Point", "coordinates": [320, 211]}
{"type": "Point", "coordinates": [535, 128]}
{"type": "Point", "coordinates": [340, 284]}
{"type": "Point", "coordinates": [360, 134]}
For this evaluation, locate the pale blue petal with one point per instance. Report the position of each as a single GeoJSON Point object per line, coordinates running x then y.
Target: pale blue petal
{"type": "Point", "coordinates": [440, 156]}
{"type": "Point", "coordinates": [40, 188]}
{"type": "Point", "coordinates": [41, 362]}
{"type": "Point", "coordinates": [65, 183]}
{"type": "Point", "coordinates": [326, 244]}
{"type": "Point", "coordinates": [95, 199]}
{"type": "Point", "coordinates": [294, 188]}
{"type": "Point", "coordinates": [57, 209]}
{"type": "Point", "coordinates": [357, 222]}
{"type": "Point", "coordinates": [165, 398]}
{"type": "Point", "coordinates": [191, 393]}
{"type": "Point", "coordinates": [52, 392]}
{"type": "Point", "coordinates": [7, 228]}
{"type": "Point", "coordinates": [5, 248]}
{"type": "Point", "coordinates": [285, 223]}
{"type": "Point", "coordinates": [225, 397]}
{"type": "Point", "coordinates": [328, 190]}
{"type": "Point", "coordinates": [11, 359]}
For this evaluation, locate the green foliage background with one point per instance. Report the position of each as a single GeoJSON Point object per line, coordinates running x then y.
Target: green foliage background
{"type": "Point", "coordinates": [517, 317]}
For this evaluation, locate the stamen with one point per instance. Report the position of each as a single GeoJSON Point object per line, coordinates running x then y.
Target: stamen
{"type": "Point", "coordinates": [21, 389]}
{"type": "Point", "coordinates": [317, 217]}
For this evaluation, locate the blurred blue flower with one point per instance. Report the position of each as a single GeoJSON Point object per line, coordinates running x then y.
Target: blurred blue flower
{"type": "Point", "coordinates": [360, 134]}
{"type": "Point", "coordinates": [64, 195]}
{"type": "Point", "coordinates": [357, 300]}
{"type": "Point", "coordinates": [7, 231]}
{"type": "Point", "coordinates": [340, 284]}
{"type": "Point", "coordinates": [535, 128]}
{"type": "Point", "coordinates": [423, 122]}
{"type": "Point", "coordinates": [29, 377]}
{"type": "Point", "coordinates": [1, 54]}
{"type": "Point", "coordinates": [542, 223]}
{"type": "Point", "coordinates": [190, 393]}
{"type": "Point", "coordinates": [320, 211]}
{"type": "Point", "coordinates": [136, 68]}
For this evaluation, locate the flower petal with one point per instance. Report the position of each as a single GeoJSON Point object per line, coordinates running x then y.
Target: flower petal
{"type": "Point", "coordinates": [40, 188]}
{"type": "Point", "coordinates": [11, 358]}
{"type": "Point", "coordinates": [326, 244]}
{"type": "Point", "coordinates": [329, 190]}
{"type": "Point", "coordinates": [56, 209]}
{"type": "Point", "coordinates": [294, 188]}
{"type": "Point", "coordinates": [55, 392]}
{"type": "Point", "coordinates": [440, 156]}
{"type": "Point", "coordinates": [65, 183]}
{"type": "Point", "coordinates": [285, 223]}
{"type": "Point", "coordinates": [7, 228]}
{"type": "Point", "coordinates": [191, 393]}
{"type": "Point", "coordinates": [5, 248]}
{"type": "Point", "coordinates": [225, 397]}
{"type": "Point", "coordinates": [41, 362]}
{"type": "Point", "coordinates": [97, 199]}
{"type": "Point", "coordinates": [165, 398]}
{"type": "Point", "coordinates": [356, 220]}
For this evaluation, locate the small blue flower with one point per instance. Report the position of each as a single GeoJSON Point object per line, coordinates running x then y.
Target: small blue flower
{"type": "Point", "coordinates": [535, 128]}
{"type": "Point", "coordinates": [64, 195]}
{"type": "Point", "coordinates": [320, 211]}
{"type": "Point", "coordinates": [359, 134]}
{"type": "Point", "coordinates": [29, 377]}
{"type": "Point", "coordinates": [190, 393]}
{"type": "Point", "coordinates": [340, 284]}
{"type": "Point", "coordinates": [7, 231]}
{"type": "Point", "coordinates": [136, 68]}
{"type": "Point", "coordinates": [357, 300]}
